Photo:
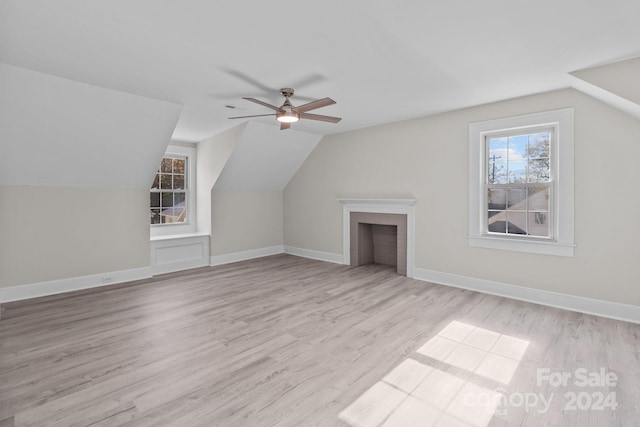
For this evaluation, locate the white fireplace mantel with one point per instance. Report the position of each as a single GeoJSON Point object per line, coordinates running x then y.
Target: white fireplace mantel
{"type": "Point", "coordinates": [377, 202]}
{"type": "Point", "coordinates": [391, 206]}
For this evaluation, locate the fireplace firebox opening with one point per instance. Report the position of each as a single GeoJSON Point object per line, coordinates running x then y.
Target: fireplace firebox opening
{"type": "Point", "coordinates": [379, 238]}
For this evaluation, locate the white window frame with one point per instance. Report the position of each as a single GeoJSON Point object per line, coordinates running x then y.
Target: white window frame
{"type": "Point", "coordinates": [189, 226]}
{"type": "Point", "coordinates": [561, 242]}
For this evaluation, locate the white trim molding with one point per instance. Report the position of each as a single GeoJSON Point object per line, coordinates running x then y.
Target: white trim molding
{"type": "Point", "coordinates": [608, 309]}
{"type": "Point", "coordinates": [53, 287]}
{"type": "Point", "coordinates": [521, 245]}
{"type": "Point", "coordinates": [562, 169]}
{"type": "Point", "coordinates": [179, 252]}
{"type": "Point", "coordinates": [378, 203]}
{"type": "Point", "coordinates": [389, 206]}
{"type": "Point", "coordinates": [245, 255]}
{"type": "Point", "coordinates": [312, 254]}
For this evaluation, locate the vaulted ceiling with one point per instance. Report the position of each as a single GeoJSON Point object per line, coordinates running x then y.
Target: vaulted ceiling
{"type": "Point", "coordinates": [381, 61]}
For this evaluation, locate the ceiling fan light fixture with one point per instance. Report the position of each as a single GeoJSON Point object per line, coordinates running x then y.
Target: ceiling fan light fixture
{"type": "Point", "coordinates": [287, 113]}
{"type": "Point", "coordinates": [287, 117]}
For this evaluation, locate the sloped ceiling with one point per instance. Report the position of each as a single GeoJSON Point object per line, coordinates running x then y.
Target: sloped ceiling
{"type": "Point", "coordinates": [265, 158]}
{"type": "Point", "coordinates": [59, 132]}
{"type": "Point", "coordinates": [620, 78]}
{"type": "Point", "coordinates": [382, 61]}
{"type": "Point", "coordinates": [615, 84]}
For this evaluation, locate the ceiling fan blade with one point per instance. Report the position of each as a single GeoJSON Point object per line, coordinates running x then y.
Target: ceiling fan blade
{"type": "Point", "coordinates": [268, 91]}
{"type": "Point", "coordinates": [313, 105]}
{"type": "Point", "coordinates": [320, 117]}
{"type": "Point", "coordinates": [284, 126]}
{"type": "Point", "coordinates": [257, 115]}
{"type": "Point", "coordinates": [230, 96]}
{"type": "Point", "coordinates": [257, 101]}
{"type": "Point", "coordinates": [309, 80]}
{"type": "Point", "coordinates": [248, 79]}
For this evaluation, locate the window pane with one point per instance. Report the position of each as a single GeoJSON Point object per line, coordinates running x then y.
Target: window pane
{"type": "Point", "coordinates": [538, 152]}
{"type": "Point", "coordinates": [167, 200]}
{"type": "Point", "coordinates": [496, 221]}
{"type": "Point", "coordinates": [156, 182]}
{"type": "Point", "coordinates": [178, 166]}
{"type": "Point", "coordinates": [539, 170]}
{"type": "Point", "coordinates": [174, 214]}
{"type": "Point", "coordinates": [518, 172]}
{"type": "Point", "coordinates": [539, 198]}
{"type": "Point", "coordinates": [179, 207]}
{"type": "Point", "coordinates": [179, 198]}
{"type": "Point", "coordinates": [155, 216]}
{"type": "Point", "coordinates": [498, 147]}
{"type": "Point", "coordinates": [165, 182]}
{"type": "Point", "coordinates": [517, 148]}
{"type": "Point", "coordinates": [517, 198]}
{"type": "Point", "coordinates": [539, 144]}
{"type": "Point", "coordinates": [497, 173]}
{"type": "Point", "coordinates": [497, 161]}
{"type": "Point", "coordinates": [497, 198]}
{"type": "Point", "coordinates": [165, 166]}
{"type": "Point", "coordinates": [539, 224]}
{"type": "Point", "coordinates": [516, 222]}
{"type": "Point", "coordinates": [155, 200]}
{"type": "Point", "coordinates": [178, 182]}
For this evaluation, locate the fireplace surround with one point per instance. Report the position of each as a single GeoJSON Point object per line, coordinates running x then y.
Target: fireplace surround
{"type": "Point", "coordinates": [365, 220]}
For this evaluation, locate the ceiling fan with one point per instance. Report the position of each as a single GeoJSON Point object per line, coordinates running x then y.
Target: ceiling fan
{"type": "Point", "coordinates": [288, 113]}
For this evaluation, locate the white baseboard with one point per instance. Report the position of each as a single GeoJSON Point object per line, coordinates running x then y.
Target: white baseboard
{"type": "Point", "coordinates": [245, 255]}
{"type": "Point", "coordinates": [171, 267]}
{"type": "Point", "coordinates": [311, 254]}
{"type": "Point", "coordinates": [612, 310]}
{"type": "Point", "coordinates": [41, 289]}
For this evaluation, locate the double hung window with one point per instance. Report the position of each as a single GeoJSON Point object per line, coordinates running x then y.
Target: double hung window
{"type": "Point", "coordinates": [172, 208]}
{"type": "Point", "coordinates": [521, 183]}
{"type": "Point", "coordinates": [169, 192]}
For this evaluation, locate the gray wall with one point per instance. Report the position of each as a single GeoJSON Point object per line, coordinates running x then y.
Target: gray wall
{"type": "Point", "coordinates": [76, 165]}
{"type": "Point", "coordinates": [428, 158]}
{"type": "Point", "coordinates": [51, 233]}
{"type": "Point", "coordinates": [245, 220]}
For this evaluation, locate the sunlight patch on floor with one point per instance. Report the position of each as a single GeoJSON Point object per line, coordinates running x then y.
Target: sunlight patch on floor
{"type": "Point", "coordinates": [414, 393]}
{"type": "Point", "coordinates": [477, 350]}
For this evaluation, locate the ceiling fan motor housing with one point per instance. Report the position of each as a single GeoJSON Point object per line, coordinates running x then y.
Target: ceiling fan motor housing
{"type": "Point", "coordinates": [286, 92]}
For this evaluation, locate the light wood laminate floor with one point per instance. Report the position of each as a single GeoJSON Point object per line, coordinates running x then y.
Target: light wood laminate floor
{"type": "Point", "coordinates": [286, 341]}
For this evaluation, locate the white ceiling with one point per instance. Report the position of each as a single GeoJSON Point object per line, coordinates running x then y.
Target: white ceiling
{"type": "Point", "coordinates": [381, 61]}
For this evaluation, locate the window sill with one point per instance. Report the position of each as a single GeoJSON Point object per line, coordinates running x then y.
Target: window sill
{"type": "Point", "coordinates": [177, 236]}
{"type": "Point", "coordinates": [159, 231]}
{"type": "Point", "coordinates": [520, 245]}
